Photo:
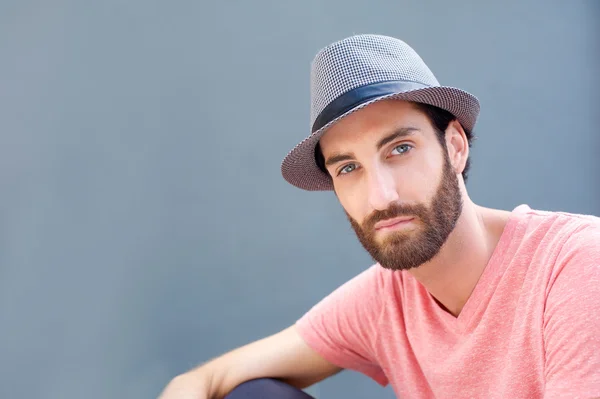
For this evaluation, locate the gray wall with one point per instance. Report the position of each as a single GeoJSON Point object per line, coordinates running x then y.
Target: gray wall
{"type": "Point", "coordinates": [145, 226]}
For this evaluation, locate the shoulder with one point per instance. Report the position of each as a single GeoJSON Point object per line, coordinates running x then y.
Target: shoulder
{"type": "Point", "coordinates": [556, 229]}
{"type": "Point", "coordinates": [360, 290]}
{"type": "Point", "coordinates": [367, 285]}
{"type": "Point", "coordinates": [575, 258]}
{"type": "Point", "coordinates": [361, 298]}
{"type": "Point", "coordinates": [554, 246]}
{"type": "Point", "coordinates": [576, 232]}
{"type": "Point", "coordinates": [581, 247]}
{"type": "Point", "coordinates": [572, 349]}
{"type": "Point", "coordinates": [349, 314]}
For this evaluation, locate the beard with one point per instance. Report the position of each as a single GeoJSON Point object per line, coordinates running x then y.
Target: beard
{"type": "Point", "coordinates": [403, 250]}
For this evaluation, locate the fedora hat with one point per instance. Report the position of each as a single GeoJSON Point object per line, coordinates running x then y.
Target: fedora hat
{"type": "Point", "coordinates": [357, 71]}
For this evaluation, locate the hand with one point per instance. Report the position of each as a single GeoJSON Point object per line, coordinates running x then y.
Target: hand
{"type": "Point", "coordinates": [185, 386]}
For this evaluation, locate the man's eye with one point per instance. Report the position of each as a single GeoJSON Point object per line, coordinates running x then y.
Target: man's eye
{"type": "Point", "coordinates": [401, 149]}
{"type": "Point", "coordinates": [347, 169]}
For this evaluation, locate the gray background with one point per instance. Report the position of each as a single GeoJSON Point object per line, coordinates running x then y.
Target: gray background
{"type": "Point", "coordinates": [145, 226]}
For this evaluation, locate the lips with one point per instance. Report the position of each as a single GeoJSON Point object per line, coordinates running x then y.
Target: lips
{"type": "Point", "coordinates": [392, 222]}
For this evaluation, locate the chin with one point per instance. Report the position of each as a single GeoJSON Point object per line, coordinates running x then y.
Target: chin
{"type": "Point", "coordinates": [396, 237]}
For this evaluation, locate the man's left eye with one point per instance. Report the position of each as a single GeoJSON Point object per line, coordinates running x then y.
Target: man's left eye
{"type": "Point", "coordinates": [401, 149]}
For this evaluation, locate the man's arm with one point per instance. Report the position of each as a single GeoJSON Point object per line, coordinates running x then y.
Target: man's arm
{"type": "Point", "coordinates": [341, 328]}
{"type": "Point", "coordinates": [572, 320]}
{"type": "Point", "coordinates": [284, 355]}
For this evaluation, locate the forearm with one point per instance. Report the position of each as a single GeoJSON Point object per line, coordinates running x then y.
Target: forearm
{"type": "Point", "coordinates": [283, 356]}
{"type": "Point", "coordinates": [215, 378]}
{"type": "Point", "coordinates": [221, 375]}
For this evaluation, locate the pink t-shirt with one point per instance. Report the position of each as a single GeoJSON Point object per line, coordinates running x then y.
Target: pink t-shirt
{"type": "Point", "coordinates": [530, 329]}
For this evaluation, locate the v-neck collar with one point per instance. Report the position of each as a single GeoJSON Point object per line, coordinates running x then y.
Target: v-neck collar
{"type": "Point", "coordinates": [466, 320]}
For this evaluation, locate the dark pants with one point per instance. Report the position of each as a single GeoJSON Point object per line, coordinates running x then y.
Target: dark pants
{"type": "Point", "coordinates": [266, 388]}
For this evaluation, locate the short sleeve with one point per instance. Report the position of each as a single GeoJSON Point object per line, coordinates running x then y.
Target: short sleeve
{"type": "Point", "coordinates": [343, 326]}
{"type": "Point", "coordinates": [572, 319]}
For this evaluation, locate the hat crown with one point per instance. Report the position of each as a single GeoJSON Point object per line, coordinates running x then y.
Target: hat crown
{"type": "Point", "coordinates": [360, 60]}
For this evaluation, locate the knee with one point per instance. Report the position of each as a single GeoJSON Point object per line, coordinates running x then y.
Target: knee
{"type": "Point", "coordinates": [266, 388]}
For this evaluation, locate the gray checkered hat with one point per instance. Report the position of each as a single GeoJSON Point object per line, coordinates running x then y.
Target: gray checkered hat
{"type": "Point", "coordinates": [355, 72]}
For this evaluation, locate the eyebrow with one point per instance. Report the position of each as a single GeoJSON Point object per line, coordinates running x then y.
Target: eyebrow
{"type": "Point", "coordinates": [402, 132]}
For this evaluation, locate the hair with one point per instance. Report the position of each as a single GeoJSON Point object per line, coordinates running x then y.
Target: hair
{"type": "Point", "coordinates": [439, 118]}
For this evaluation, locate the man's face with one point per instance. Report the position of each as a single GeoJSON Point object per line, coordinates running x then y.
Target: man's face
{"type": "Point", "coordinates": [395, 182]}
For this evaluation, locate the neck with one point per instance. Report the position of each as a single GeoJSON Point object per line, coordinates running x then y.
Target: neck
{"type": "Point", "coordinates": [452, 275]}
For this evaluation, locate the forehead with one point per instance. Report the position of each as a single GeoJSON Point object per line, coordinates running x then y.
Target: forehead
{"type": "Point", "coordinates": [373, 121]}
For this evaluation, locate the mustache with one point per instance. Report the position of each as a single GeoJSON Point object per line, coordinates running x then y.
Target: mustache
{"type": "Point", "coordinates": [393, 211]}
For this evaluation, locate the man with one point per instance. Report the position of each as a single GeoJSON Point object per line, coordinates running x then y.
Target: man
{"type": "Point", "coordinates": [464, 301]}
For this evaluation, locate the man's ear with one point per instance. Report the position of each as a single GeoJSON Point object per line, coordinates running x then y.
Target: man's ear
{"type": "Point", "coordinates": [458, 146]}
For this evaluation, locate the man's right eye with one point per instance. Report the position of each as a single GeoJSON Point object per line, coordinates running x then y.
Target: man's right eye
{"type": "Point", "coordinates": [347, 169]}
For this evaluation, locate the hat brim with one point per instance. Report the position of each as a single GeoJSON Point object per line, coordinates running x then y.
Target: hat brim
{"type": "Point", "coordinates": [300, 169]}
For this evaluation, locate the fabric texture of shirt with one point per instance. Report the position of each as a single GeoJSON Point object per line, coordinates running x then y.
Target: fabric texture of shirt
{"type": "Point", "coordinates": [530, 329]}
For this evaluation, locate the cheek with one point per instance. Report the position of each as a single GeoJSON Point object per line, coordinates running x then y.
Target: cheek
{"type": "Point", "coordinates": [417, 181]}
{"type": "Point", "coordinates": [432, 172]}
{"type": "Point", "coordinates": [353, 203]}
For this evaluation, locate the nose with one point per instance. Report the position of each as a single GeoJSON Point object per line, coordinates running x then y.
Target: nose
{"type": "Point", "coordinates": [382, 188]}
